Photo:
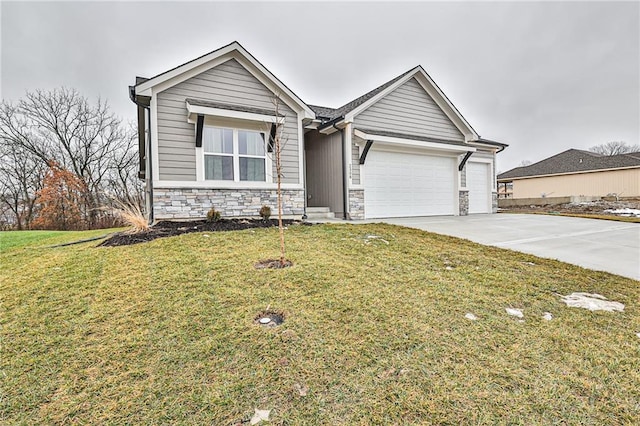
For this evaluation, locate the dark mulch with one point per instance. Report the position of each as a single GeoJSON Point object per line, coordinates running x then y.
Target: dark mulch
{"type": "Point", "coordinates": [171, 229]}
{"type": "Point", "coordinates": [273, 264]}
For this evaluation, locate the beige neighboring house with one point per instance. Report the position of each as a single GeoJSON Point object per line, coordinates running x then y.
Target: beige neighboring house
{"type": "Point", "coordinates": [206, 132]}
{"type": "Point", "coordinates": [576, 173]}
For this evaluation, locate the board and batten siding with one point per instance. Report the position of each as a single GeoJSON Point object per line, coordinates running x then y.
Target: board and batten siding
{"type": "Point", "coordinates": [228, 83]}
{"type": "Point", "coordinates": [323, 154]}
{"type": "Point", "coordinates": [355, 164]}
{"type": "Point", "coordinates": [410, 110]}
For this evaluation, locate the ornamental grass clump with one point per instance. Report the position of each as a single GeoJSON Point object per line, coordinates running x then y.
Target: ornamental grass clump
{"type": "Point", "coordinates": [131, 214]}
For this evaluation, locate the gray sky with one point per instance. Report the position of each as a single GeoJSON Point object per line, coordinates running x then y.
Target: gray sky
{"type": "Point", "coordinates": [542, 77]}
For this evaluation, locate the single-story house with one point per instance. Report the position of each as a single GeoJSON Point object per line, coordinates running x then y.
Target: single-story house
{"type": "Point", "coordinates": [576, 173]}
{"type": "Point", "coordinates": [402, 149]}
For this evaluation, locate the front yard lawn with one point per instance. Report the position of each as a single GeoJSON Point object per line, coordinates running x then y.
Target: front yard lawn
{"type": "Point", "coordinates": [374, 332]}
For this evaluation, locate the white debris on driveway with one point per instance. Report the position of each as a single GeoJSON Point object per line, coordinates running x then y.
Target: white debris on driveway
{"type": "Point", "coordinates": [515, 312]}
{"type": "Point", "coordinates": [592, 302]}
{"type": "Point", "coordinates": [471, 317]}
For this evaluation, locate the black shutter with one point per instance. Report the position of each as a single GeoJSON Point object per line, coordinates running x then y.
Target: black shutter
{"type": "Point", "coordinates": [272, 138]}
{"type": "Point", "coordinates": [199, 130]}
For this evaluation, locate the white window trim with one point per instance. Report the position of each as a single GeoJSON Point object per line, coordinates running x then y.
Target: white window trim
{"type": "Point", "coordinates": [194, 110]}
{"type": "Point", "coordinates": [200, 157]}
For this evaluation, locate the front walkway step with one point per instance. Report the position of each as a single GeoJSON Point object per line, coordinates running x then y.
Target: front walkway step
{"type": "Point", "coordinates": [318, 210]}
{"type": "Point", "coordinates": [320, 213]}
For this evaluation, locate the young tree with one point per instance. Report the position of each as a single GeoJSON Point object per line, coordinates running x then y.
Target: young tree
{"type": "Point", "coordinates": [614, 148]}
{"type": "Point", "coordinates": [59, 200]}
{"type": "Point", "coordinates": [278, 143]}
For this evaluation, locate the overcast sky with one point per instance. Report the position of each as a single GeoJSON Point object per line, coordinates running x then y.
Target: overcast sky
{"type": "Point", "coordinates": [543, 77]}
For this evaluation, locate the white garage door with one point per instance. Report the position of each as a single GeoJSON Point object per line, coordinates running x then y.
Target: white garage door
{"type": "Point", "coordinates": [479, 187]}
{"type": "Point", "coordinates": [400, 184]}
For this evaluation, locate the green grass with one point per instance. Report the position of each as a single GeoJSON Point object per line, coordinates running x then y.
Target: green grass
{"type": "Point", "coordinates": [26, 239]}
{"type": "Point", "coordinates": [164, 333]}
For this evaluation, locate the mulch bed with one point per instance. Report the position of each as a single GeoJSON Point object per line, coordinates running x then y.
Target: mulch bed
{"type": "Point", "coordinates": [171, 229]}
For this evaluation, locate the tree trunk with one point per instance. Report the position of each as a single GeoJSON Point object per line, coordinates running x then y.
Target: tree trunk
{"type": "Point", "coordinates": [279, 191]}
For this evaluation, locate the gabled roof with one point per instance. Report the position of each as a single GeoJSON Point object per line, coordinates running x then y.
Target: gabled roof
{"type": "Point", "coordinates": [573, 161]}
{"type": "Point", "coordinates": [333, 113]}
{"type": "Point", "coordinates": [350, 109]}
{"type": "Point", "coordinates": [207, 61]}
{"type": "Point", "coordinates": [323, 113]}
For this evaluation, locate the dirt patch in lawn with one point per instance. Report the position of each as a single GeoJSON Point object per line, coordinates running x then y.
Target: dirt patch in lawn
{"type": "Point", "coordinates": [614, 209]}
{"type": "Point", "coordinates": [172, 229]}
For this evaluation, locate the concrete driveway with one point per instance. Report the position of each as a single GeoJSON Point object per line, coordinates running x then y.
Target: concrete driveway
{"type": "Point", "coordinates": [601, 245]}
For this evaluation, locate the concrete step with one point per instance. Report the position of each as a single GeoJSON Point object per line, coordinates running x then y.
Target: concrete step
{"type": "Point", "coordinates": [314, 213]}
{"type": "Point", "coordinates": [318, 210]}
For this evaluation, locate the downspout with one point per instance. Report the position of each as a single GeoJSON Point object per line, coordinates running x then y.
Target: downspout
{"type": "Point", "coordinates": [344, 173]}
{"type": "Point", "coordinates": [149, 178]}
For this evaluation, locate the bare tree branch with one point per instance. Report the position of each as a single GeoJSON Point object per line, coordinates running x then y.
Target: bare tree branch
{"type": "Point", "coordinates": [614, 148]}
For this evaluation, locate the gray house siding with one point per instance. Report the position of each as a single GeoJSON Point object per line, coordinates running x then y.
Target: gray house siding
{"type": "Point", "coordinates": [409, 109]}
{"type": "Point", "coordinates": [228, 83]}
{"type": "Point", "coordinates": [355, 164]}
{"type": "Point", "coordinates": [323, 155]}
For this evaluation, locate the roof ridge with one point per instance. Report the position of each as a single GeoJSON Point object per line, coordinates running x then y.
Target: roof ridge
{"type": "Point", "coordinates": [572, 161]}
{"type": "Point", "coordinates": [349, 106]}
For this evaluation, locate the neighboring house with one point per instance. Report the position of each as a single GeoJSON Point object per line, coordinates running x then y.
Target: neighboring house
{"type": "Point", "coordinates": [574, 173]}
{"type": "Point", "coordinates": [402, 149]}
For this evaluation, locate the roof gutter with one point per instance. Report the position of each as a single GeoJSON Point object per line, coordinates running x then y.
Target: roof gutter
{"type": "Point", "coordinates": [501, 146]}
{"type": "Point", "coordinates": [331, 123]}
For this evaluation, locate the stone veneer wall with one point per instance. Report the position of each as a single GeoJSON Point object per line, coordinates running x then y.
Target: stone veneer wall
{"type": "Point", "coordinates": [195, 203]}
{"type": "Point", "coordinates": [494, 202]}
{"type": "Point", "coordinates": [356, 204]}
{"type": "Point", "coordinates": [463, 202]}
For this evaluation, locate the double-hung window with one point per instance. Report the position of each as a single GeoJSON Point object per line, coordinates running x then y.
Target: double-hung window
{"type": "Point", "coordinates": [234, 154]}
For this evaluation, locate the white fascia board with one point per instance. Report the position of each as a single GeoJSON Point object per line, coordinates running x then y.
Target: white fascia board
{"type": "Point", "coordinates": [314, 124]}
{"type": "Point", "coordinates": [389, 140]}
{"type": "Point", "coordinates": [445, 105]}
{"type": "Point", "coordinates": [235, 51]}
{"type": "Point", "coordinates": [219, 112]}
{"type": "Point", "coordinates": [491, 148]}
{"type": "Point", "coordinates": [331, 129]}
{"type": "Point", "coordinates": [436, 94]}
{"type": "Point", "coordinates": [351, 115]}
{"type": "Point", "coordinates": [145, 87]}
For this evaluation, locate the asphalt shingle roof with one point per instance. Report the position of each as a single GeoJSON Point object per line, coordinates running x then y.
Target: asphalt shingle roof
{"type": "Point", "coordinates": [573, 161]}
{"type": "Point", "coordinates": [332, 113]}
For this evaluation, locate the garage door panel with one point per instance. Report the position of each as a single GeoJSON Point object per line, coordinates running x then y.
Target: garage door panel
{"type": "Point", "coordinates": [479, 187]}
{"type": "Point", "coordinates": [401, 184]}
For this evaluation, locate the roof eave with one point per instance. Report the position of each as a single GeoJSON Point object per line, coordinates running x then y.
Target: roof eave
{"type": "Point", "coordinates": [145, 88]}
